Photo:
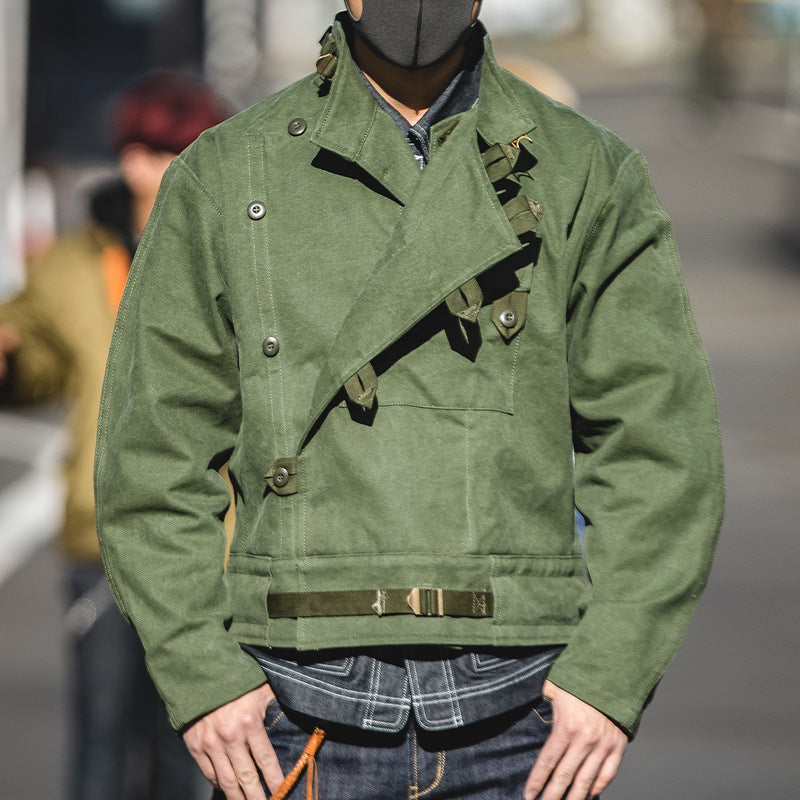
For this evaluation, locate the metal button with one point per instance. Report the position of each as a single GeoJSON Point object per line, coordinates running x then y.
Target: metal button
{"type": "Point", "coordinates": [297, 127]}
{"type": "Point", "coordinates": [256, 210]}
{"type": "Point", "coordinates": [270, 346]}
{"type": "Point", "coordinates": [508, 318]}
{"type": "Point", "coordinates": [280, 477]}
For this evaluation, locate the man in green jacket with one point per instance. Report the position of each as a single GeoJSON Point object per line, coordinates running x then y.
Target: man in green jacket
{"type": "Point", "coordinates": [425, 313]}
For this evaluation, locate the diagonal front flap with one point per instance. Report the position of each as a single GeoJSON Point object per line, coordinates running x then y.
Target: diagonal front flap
{"type": "Point", "coordinates": [452, 229]}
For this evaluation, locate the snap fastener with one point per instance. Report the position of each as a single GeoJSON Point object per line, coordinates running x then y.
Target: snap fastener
{"type": "Point", "coordinates": [297, 127]}
{"type": "Point", "coordinates": [256, 210]}
{"type": "Point", "coordinates": [280, 477]}
{"type": "Point", "coordinates": [270, 346]}
{"type": "Point", "coordinates": [508, 318]}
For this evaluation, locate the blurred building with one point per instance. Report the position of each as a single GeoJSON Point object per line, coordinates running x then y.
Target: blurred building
{"type": "Point", "coordinates": [13, 26]}
{"type": "Point", "coordinates": [61, 63]}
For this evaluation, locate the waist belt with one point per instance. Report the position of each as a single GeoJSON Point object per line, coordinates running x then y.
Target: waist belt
{"type": "Point", "coordinates": [420, 601]}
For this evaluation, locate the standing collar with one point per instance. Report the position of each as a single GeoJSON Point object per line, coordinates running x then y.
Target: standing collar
{"type": "Point", "coordinates": [354, 126]}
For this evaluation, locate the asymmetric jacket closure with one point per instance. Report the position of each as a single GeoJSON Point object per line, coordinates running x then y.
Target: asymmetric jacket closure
{"type": "Point", "coordinates": [303, 304]}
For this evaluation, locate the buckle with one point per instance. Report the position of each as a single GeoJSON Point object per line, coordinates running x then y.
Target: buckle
{"type": "Point", "coordinates": [426, 602]}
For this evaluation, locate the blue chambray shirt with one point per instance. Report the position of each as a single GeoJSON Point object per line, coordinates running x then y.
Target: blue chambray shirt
{"type": "Point", "coordinates": [445, 687]}
{"type": "Point", "coordinates": [377, 690]}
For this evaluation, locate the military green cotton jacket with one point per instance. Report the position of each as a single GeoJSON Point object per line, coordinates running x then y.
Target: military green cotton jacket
{"type": "Point", "coordinates": [295, 254]}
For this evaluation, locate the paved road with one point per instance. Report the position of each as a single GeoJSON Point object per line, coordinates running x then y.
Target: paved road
{"type": "Point", "coordinates": [724, 724]}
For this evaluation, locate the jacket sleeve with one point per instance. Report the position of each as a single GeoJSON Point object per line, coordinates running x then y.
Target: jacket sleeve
{"type": "Point", "coordinates": [648, 464]}
{"type": "Point", "coordinates": [40, 368]}
{"type": "Point", "coordinates": [169, 418]}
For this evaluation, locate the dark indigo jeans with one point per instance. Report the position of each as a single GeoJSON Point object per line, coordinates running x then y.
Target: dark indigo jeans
{"type": "Point", "coordinates": [489, 760]}
{"type": "Point", "coordinates": [122, 744]}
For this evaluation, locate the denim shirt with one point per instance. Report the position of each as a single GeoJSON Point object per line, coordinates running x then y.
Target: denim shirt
{"type": "Point", "coordinates": [445, 687]}
{"type": "Point", "coordinates": [376, 691]}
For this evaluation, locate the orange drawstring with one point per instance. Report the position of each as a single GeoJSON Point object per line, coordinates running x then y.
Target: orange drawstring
{"type": "Point", "coordinates": [306, 759]}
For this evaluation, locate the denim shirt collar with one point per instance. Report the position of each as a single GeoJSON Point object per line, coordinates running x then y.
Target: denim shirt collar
{"type": "Point", "coordinates": [460, 95]}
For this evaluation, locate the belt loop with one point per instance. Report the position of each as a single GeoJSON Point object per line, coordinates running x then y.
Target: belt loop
{"type": "Point", "coordinates": [362, 387]}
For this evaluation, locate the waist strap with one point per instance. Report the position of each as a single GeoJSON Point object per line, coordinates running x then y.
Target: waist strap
{"type": "Point", "coordinates": [420, 601]}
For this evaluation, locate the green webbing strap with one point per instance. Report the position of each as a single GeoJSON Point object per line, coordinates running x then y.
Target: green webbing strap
{"type": "Point", "coordinates": [500, 160]}
{"type": "Point", "coordinates": [523, 213]}
{"type": "Point", "coordinates": [465, 302]}
{"type": "Point", "coordinates": [328, 60]}
{"type": "Point", "coordinates": [420, 601]}
{"type": "Point", "coordinates": [362, 387]}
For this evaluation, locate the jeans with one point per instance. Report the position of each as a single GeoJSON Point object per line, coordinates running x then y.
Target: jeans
{"type": "Point", "coordinates": [488, 760]}
{"type": "Point", "coordinates": [122, 744]}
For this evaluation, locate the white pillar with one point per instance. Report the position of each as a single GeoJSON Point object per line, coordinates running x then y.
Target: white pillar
{"type": "Point", "coordinates": [632, 30]}
{"type": "Point", "coordinates": [13, 41]}
{"type": "Point", "coordinates": [292, 32]}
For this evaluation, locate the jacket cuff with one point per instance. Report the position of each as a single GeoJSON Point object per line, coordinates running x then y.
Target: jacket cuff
{"type": "Point", "coordinates": [192, 687]}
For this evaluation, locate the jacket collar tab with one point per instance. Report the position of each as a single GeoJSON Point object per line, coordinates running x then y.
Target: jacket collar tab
{"type": "Point", "coordinates": [354, 127]}
{"type": "Point", "coordinates": [501, 118]}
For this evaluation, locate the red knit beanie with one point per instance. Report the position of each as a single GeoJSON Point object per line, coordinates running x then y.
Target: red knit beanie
{"type": "Point", "coordinates": [165, 111]}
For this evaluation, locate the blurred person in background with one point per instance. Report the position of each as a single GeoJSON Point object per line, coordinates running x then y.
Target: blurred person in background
{"type": "Point", "coordinates": [426, 312]}
{"type": "Point", "coordinates": [54, 340]}
{"type": "Point", "coordinates": [713, 79]}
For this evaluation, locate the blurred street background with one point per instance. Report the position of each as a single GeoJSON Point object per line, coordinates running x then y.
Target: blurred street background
{"type": "Point", "coordinates": [710, 92]}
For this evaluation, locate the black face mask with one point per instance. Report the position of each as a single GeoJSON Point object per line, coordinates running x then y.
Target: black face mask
{"type": "Point", "coordinates": [414, 33]}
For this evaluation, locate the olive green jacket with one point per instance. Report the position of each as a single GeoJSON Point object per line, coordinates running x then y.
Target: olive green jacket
{"type": "Point", "coordinates": [297, 249]}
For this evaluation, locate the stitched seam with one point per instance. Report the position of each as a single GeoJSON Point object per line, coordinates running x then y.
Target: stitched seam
{"type": "Point", "coordinates": [275, 721]}
{"type": "Point", "coordinates": [337, 691]}
{"type": "Point", "coordinates": [554, 559]}
{"type": "Point", "coordinates": [489, 686]}
{"type": "Point", "coordinates": [367, 131]}
{"type": "Point", "coordinates": [440, 759]}
{"type": "Point", "coordinates": [541, 718]}
{"type": "Point", "coordinates": [413, 788]}
{"type": "Point", "coordinates": [468, 480]}
{"type": "Point", "coordinates": [419, 699]}
{"type": "Point", "coordinates": [200, 184]}
{"type": "Point", "coordinates": [589, 242]}
{"type": "Point", "coordinates": [260, 306]}
{"type": "Point", "coordinates": [514, 369]}
{"type": "Point", "coordinates": [332, 669]}
{"type": "Point", "coordinates": [415, 404]}
{"type": "Point", "coordinates": [274, 313]}
{"type": "Point", "coordinates": [374, 677]}
{"type": "Point", "coordinates": [452, 693]}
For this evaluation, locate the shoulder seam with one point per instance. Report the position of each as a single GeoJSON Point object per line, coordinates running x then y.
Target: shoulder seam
{"type": "Point", "coordinates": [200, 185]}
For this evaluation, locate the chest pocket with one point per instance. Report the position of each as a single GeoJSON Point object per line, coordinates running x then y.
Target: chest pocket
{"type": "Point", "coordinates": [464, 359]}
{"type": "Point", "coordinates": [464, 354]}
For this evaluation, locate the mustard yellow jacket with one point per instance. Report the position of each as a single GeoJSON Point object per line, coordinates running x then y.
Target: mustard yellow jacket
{"type": "Point", "coordinates": [400, 365]}
{"type": "Point", "coordinates": [65, 323]}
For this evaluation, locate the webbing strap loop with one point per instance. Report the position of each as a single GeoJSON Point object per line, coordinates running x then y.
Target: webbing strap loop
{"type": "Point", "coordinates": [328, 59]}
{"type": "Point", "coordinates": [465, 302]}
{"type": "Point", "coordinates": [499, 161]}
{"type": "Point", "coordinates": [523, 213]}
{"type": "Point", "coordinates": [362, 387]}
{"type": "Point", "coordinates": [420, 601]}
